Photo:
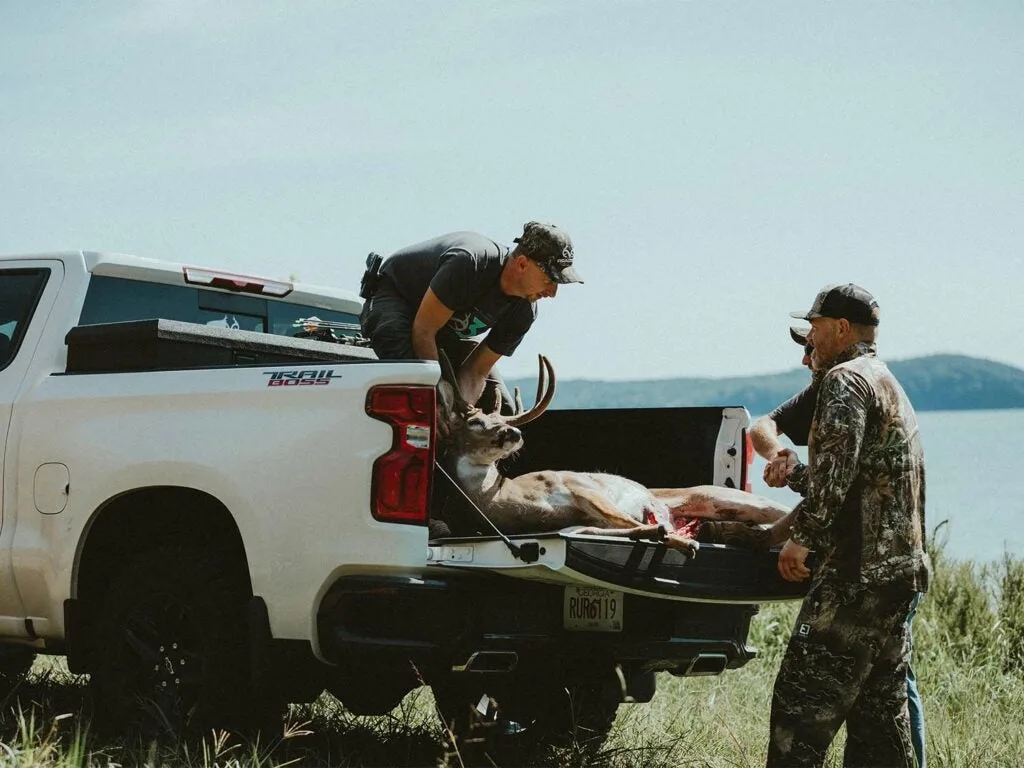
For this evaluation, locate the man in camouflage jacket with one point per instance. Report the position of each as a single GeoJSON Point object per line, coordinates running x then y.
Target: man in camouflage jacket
{"type": "Point", "coordinates": [864, 516]}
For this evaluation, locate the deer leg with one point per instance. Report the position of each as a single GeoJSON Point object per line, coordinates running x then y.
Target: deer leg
{"type": "Point", "coordinates": [646, 531]}
{"type": "Point", "coordinates": [594, 507]}
{"type": "Point", "coordinates": [592, 502]}
{"type": "Point", "coordinates": [750, 535]}
{"type": "Point", "coordinates": [717, 503]}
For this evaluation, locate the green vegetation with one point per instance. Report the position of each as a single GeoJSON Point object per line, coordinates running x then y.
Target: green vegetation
{"type": "Point", "coordinates": [935, 383]}
{"type": "Point", "coordinates": [969, 660]}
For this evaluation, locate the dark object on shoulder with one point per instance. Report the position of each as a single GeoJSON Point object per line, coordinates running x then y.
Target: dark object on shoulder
{"type": "Point", "coordinates": [371, 277]}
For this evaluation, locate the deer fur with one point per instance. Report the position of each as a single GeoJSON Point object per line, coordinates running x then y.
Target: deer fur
{"type": "Point", "coordinates": [475, 441]}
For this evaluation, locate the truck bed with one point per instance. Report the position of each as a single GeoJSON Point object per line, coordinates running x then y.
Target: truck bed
{"type": "Point", "coordinates": [659, 447]}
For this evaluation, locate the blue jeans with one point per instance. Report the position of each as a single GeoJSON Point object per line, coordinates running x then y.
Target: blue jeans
{"type": "Point", "coordinates": [913, 696]}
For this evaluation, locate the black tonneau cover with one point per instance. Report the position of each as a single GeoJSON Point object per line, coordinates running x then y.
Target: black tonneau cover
{"type": "Point", "coordinates": [160, 345]}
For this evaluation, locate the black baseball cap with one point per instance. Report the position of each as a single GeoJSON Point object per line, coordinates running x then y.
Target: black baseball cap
{"type": "Point", "coordinates": [551, 248]}
{"type": "Point", "coordinates": [844, 301]}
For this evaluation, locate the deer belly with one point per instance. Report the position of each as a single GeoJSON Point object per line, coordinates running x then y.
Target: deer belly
{"type": "Point", "coordinates": [644, 509]}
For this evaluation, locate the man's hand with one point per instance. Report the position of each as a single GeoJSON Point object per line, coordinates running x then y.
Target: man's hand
{"type": "Point", "coordinates": [473, 373]}
{"type": "Point", "coordinates": [777, 470]}
{"type": "Point", "coordinates": [791, 562]}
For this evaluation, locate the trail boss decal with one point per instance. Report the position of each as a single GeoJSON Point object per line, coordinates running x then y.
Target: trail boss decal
{"type": "Point", "coordinates": [307, 378]}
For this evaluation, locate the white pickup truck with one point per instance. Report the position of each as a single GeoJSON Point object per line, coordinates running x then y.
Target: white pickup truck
{"type": "Point", "coordinates": [213, 517]}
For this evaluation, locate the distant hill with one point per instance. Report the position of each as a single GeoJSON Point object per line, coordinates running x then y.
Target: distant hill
{"type": "Point", "coordinates": [933, 383]}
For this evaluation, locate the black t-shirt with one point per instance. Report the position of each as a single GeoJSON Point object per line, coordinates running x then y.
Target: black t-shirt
{"type": "Point", "coordinates": [794, 417]}
{"type": "Point", "coordinates": [464, 271]}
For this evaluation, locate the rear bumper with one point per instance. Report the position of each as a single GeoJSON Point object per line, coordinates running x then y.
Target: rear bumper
{"type": "Point", "coordinates": [498, 624]}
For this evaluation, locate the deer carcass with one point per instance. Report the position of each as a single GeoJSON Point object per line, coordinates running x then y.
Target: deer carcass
{"type": "Point", "coordinates": [474, 441]}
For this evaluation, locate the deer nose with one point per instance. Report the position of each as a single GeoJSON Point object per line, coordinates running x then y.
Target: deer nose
{"type": "Point", "coordinates": [508, 435]}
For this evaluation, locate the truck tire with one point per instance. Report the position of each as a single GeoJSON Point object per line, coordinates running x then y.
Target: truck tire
{"type": "Point", "coordinates": [514, 722]}
{"type": "Point", "coordinates": [15, 662]}
{"type": "Point", "coordinates": [170, 648]}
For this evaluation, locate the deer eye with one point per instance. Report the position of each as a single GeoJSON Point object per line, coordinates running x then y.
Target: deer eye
{"type": "Point", "coordinates": [475, 424]}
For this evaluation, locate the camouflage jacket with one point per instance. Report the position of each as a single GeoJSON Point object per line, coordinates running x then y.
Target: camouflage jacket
{"type": "Point", "coordinates": [864, 508]}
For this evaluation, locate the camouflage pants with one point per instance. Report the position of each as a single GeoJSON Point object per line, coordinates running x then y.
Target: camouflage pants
{"type": "Point", "coordinates": [846, 661]}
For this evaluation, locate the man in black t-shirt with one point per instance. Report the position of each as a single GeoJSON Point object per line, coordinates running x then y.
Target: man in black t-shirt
{"type": "Point", "coordinates": [792, 418]}
{"type": "Point", "coordinates": [444, 292]}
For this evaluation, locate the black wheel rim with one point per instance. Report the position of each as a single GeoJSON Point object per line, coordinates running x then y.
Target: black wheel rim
{"type": "Point", "coordinates": [162, 655]}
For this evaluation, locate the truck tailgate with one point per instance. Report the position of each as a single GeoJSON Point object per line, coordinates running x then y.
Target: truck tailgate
{"type": "Point", "coordinates": [718, 573]}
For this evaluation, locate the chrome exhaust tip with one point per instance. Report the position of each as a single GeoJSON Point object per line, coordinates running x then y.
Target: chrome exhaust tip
{"type": "Point", "coordinates": [707, 664]}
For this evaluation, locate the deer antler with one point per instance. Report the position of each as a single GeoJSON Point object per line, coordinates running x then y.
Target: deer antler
{"type": "Point", "coordinates": [545, 391]}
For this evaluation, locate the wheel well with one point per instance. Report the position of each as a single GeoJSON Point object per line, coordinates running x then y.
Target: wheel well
{"type": "Point", "coordinates": [140, 520]}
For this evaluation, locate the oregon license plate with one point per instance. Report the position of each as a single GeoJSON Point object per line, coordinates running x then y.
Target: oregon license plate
{"type": "Point", "coordinates": [593, 609]}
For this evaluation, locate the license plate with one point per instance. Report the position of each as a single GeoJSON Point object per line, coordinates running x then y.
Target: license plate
{"type": "Point", "coordinates": [592, 609]}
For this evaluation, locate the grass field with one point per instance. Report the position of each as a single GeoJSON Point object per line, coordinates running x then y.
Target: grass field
{"type": "Point", "coordinates": [969, 658]}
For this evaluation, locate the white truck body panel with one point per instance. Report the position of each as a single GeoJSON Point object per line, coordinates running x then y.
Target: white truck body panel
{"type": "Point", "coordinates": [76, 442]}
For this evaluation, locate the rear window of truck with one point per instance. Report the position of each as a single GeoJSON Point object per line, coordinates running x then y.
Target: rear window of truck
{"type": "Point", "coordinates": [116, 299]}
{"type": "Point", "coordinates": [20, 290]}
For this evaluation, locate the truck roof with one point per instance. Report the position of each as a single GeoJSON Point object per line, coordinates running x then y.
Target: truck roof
{"type": "Point", "coordinates": [178, 273]}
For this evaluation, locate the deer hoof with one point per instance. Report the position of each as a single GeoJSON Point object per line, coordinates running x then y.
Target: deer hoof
{"type": "Point", "coordinates": [682, 543]}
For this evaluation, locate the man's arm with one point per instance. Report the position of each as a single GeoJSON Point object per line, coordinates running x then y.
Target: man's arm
{"type": "Point", "coordinates": [793, 418]}
{"type": "Point", "coordinates": [765, 437]}
{"type": "Point", "coordinates": [838, 436]}
{"type": "Point", "coordinates": [430, 318]}
{"type": "Point", "coordinates": [781, 460]}
{"type": "Point", "coordinates": [473, 373]}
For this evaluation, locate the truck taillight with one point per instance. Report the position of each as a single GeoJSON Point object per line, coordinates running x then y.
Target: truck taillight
{"type": "Point", "coordinates": [402, 476]}
{"type": "Point", "coordinates": [748, 461]}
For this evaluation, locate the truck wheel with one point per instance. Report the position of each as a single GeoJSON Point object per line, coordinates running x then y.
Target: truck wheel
{"type": "Point", "coordinates": [15, 662]}
{"type": "Point", "coordinates": [170, 646]}
{"type": "Point", "coordinates": [519, 720]}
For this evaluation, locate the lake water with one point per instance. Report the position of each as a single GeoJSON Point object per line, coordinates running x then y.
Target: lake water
{"type": "Point", "coordinates": [973, 460]}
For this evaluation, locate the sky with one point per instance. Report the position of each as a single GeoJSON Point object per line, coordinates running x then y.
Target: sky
{"type": "Point", "coordinates": [716, 163]}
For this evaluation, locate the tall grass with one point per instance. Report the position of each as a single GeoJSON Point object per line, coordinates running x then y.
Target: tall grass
{"type": "Point", "coordinates": [969, 659]}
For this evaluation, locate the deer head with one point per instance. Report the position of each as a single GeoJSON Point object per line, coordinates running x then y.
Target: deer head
{"type": "Point", "coordinates": [485, 437]}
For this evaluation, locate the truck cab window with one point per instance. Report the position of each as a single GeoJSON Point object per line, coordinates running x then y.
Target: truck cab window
{"type": "Point", "coordinates": [286, 319]}
{"type": "Point", "coordinates": [115, 299]}
{"type": "Point", "coordinates": [20, 290]}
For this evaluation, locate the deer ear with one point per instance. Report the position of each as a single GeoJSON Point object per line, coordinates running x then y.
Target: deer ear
{"type": "Point", "coordinates": [445, 409]}
{"type": "Point", "coordinates": [495, 401]}
{"type": "Point", "coordinates": [446, 396]}
{"type": "Point", "coordinates": [456, 402]}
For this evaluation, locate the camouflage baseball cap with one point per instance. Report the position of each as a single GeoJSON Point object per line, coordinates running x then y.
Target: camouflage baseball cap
{"type": "Point", "coordinates": [551, 248]}
{"type": "Point", "coordinates": [843, 301]}
{"type": "Point", "coordinates": [799, 335]}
